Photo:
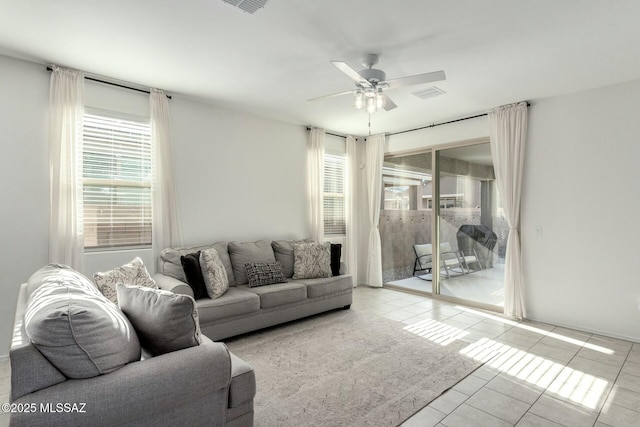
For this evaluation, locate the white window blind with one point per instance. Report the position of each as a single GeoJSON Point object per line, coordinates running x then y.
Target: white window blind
{"type": "Point", "coordinates": [117, 182]}
{"type": "Point", "coordinates": [334, 216]}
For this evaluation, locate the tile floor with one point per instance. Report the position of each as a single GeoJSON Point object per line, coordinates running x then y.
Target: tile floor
{"type": "Point", "coordinates": [533, 374]}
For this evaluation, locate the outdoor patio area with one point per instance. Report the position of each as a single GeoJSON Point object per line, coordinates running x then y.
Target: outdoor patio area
{"type": "Point", "coordinates": [484, 286]}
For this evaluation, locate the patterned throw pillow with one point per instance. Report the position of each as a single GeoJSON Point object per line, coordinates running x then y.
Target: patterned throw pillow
{"type": "Point", "coordinates": [264, 273]}
{"type": "Point", "coordinates": [134, 273]}
{"type": "Point", "coordinates": [311, 260]}
{"type": "Point", "coordinates": [214, 274]}
{"type": "Point", "coordinates": [164, 321]}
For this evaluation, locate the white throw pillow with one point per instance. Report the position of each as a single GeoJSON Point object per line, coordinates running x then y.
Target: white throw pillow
{"type": "Point", "coordinates": [134, 274]}
{"type": "Point", "coordinates": [311, 260]}
{"type": "Point", "coordinates": [213, 273]}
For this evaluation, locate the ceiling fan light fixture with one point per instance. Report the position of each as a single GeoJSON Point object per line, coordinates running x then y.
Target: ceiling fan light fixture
{"type": "Point", "coordinates": [371, 104]}
{"type": "Point", "coordinates": [381, 101]}
{"type": "Point", "coordinates": [358, 101]}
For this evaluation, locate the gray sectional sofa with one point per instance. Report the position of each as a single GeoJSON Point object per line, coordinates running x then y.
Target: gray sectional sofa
{"type": "Point", "coordinates": [242, 308]}
{"type": "Point", "coordinates": [203, 385]}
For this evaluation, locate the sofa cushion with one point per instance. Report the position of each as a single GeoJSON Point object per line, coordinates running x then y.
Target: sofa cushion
{"type": "Point", "coordinates": [264, 273]}
{"type": "Point", "coordinates": [243, 382]}
{"type": "Point", "coordinates": [164, 321]}
{"type": "Point", "coordinates": [326, 286]}
{"type": "Point", "coordinates": [234, 302]}
{"type": "Point", "coordinates": [279, 294]}
{"type": "Point", "coordinates": [133, 273]}
{"type": "Point", "coordinates": [193, 274]}
{"type": "Point", "coordinates": [215, 276]}
{"type": "Point", "coordinates": [170, 260]}
{"type": "Point", "coordinates": [283, 251]}
{"type": "Point", "coordinates": [243, 252]}
{"type": "Point", "coordinates": [77, 329]}
{"type": "Point", "coordinates": [311, 260]}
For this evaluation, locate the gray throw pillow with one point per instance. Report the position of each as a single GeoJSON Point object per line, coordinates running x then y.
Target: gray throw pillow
{"type": "Point", "coordinates": [311, 260]}
{"type": "Point", "coordinates": [264, 273]}
{"type": "Point", "coordinates": [164, 321]}
{"type": "Point", "coordinates": [242, 253]}
{"type": "Point", "coordinates": [213, 273]}
{"type": "Point", "coordinates": [133, 273]}
{"type": "Point", "coordinates": [78, 330]}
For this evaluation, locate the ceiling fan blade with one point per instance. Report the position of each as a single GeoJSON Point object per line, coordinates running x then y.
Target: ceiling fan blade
{"type": "Point", "coordinates": [416, 80]}
{"type": "Point", "coordinates": [353, 74]}
{"type": "Point", "coordinates": [388, 103]}
{"type": "Point", "coordinates": [331, 96]}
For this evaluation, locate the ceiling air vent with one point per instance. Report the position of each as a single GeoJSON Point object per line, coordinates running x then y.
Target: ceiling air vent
{"type": "Point", "coordinates": [249, 6]}
{"type": "Point", "coordinates": [430, 92]}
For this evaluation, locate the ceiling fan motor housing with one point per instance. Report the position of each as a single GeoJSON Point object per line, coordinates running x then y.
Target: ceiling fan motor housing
{"type": "Point", "coordinates": [373, 75]}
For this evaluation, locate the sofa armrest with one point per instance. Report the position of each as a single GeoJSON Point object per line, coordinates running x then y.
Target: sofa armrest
{"type": "Point", "coordinates": [169, 283]}
{"type": "Point", "coordinates": [180, 387]}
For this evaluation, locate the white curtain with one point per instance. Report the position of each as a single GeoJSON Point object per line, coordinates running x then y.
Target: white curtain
{"type": "Point", "coordinates": [508, 134]}
{"type": "Point", "coordinates": [315, 172]}
{"type": "Point", "coordinates": [351, 243]}
{"type": "Point", "coordinates": [374, 159]}
{"type": "Point", "coordinates": [166, 223]}
{"type": "Point", "coordinates": [66, 107]}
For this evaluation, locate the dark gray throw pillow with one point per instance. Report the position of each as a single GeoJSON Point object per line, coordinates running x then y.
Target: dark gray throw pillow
{"type": "Point", "coordinates": [164, 321]}
{"type": "Point", "coordinates": [264, 273]}
{"type": "Point", "coordinates": [193, 273]}
{"type": "Point", "coordinates": [336, 254]}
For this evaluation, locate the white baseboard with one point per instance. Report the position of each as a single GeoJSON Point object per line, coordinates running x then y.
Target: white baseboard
{"type": "Point", "coordinates": [4, 357]}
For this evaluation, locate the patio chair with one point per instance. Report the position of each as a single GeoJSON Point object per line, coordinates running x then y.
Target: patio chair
{"type": "Point", "coordinates": [449, 260]}
{"type": "Point", "coordinates": [424, 259]}
{"type": "Point", "coordinates": [470, 259]}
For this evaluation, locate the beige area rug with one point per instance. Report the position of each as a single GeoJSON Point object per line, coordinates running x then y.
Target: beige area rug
{"type": "Point", "coordinates": [347, 368]}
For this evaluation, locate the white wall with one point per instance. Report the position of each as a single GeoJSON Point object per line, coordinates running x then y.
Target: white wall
{"type": "Point", "coordinates": [24, 173]}
{"type": "Point", "coordinates": [438, 135]}
{"type": "Point", "coordinates": [581, 185]}
{"type": "Point", "coordinates": [239, 177]}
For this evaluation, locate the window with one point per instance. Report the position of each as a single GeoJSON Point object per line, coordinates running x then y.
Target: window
{"type": "Point", "coordinates": [117, 182]}
{"type": "Point", "coordinates": [334, 216]}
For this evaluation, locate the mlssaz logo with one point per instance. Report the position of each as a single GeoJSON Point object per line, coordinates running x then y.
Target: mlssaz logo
{"type": "Point", "coordinates": [78, 408]}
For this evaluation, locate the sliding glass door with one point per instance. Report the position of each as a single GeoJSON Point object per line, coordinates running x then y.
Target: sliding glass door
{"type": "Point", "coordinates": [452, 192]}
{"type": "Point", "coordinates": [472, 230]}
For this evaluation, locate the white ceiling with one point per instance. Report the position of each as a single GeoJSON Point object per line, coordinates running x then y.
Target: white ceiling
{"type": "Point", "coordinates": [493, 51]}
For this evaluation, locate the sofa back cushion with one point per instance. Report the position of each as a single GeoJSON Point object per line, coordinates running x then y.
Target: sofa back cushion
{"type": "Point", "coordinates": [283, 251]}
{"type": "Point", "coordinates": [242, 253]}
{"type": "Point", "coordinates": [170, 264]}
{"type": "Point", "coordinates": [76, 328]}
{"type": "Point", "coordinates": [60, 273]}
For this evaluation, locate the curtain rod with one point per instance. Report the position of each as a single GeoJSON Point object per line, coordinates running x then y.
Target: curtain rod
{"type": "Point", "coordinates": [93, 79]}
{"type": "Point", "coordinates": [443, 123]}
{"type": "Point", "coordinates": [329, 133]}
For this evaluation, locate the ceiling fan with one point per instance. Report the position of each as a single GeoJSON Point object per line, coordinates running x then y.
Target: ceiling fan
{"type": "Point", "coordinates": [371, 83]}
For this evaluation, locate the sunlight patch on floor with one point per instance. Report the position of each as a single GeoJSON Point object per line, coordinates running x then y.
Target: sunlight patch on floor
{"type": "Point", "coordinates": [437, 332]}
{"type": "Point", "coordinates": [575, 386]}
{"type": "Point", "coordinates": [530, 328]}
